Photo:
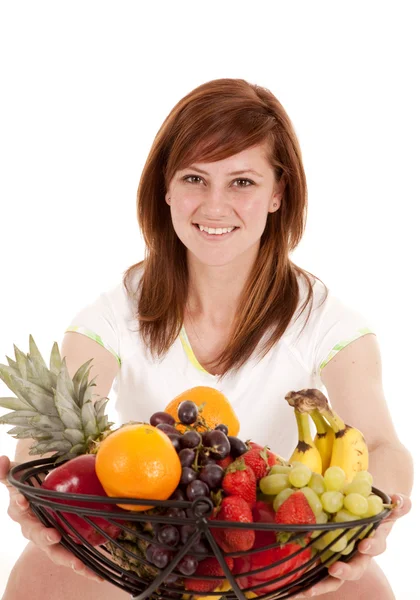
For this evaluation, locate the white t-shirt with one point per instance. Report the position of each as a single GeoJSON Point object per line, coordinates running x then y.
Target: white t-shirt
{"type": "Point", "coordinates": [257, 391]}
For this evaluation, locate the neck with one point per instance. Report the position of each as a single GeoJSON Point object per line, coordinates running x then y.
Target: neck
{"type": "Point", "coordinates": [214, 291]}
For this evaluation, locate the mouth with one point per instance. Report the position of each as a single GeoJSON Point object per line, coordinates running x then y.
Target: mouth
{"type": "Point", "coordinates": [216, 234]}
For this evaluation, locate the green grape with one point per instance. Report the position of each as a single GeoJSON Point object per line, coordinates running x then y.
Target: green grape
{"type": "Point", "coordinates": [356, 504]}
{"type": "Point", "coordinates": [280, 469]}
{"type": "Point", "coordinates": [332, 502]}
{"type": "Point", "coordinates": [313, 500]}
{"type": "Point", "coordinates": [317, 484]}
{"type": "Point", "coordinates": [375, 506]}
{"type": "Point", "coordinates": [343, 516]}
{"type": "Point", "coordinates": [360, 475]}
{"type": "Point", "coordinates": [319, 542]}
{"type": "Point", "coordinates": [281, 497]}
{"type": "Point", "coordinates": [300, 476]}
{"type": "Point", "coordinates": [348, 549]}
{"type": "Point", "coordinates": [322, 518]}
{"type": "Point", "coordinates": [334, 478]}
{"type": "Point", "coordinates": [340, 544]}
{"type": "Point", "coordinates": [358, 486]}
{"type": "Point", "coordinates": [274, 484]}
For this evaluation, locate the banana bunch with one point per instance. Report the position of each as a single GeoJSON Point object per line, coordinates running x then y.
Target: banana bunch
{"type": "Point", "coordinates": [335, 443]}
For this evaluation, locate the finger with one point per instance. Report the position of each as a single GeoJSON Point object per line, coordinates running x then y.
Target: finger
{"type": "Point", "coordinates": [5, 466]}
{"type": "Point", "coordinates": [352, 570]}
{"type": "Point", "coordinates": [376, 544]}
{"type": "Point", "coordinates": [330, 584]}
{"type": "Point", "coordinates": [403, 506]}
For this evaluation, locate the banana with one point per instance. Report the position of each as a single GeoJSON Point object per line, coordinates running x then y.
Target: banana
{"type": "Point", "coordinates": [324, 438]}
{"type": "Point", "coordinates": [306, 451]}
{"type": "Point", "coordinates": [349, 451]}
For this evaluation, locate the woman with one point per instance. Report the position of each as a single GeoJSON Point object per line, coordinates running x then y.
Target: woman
{"type": "Point", "coordinates": [217, 301]}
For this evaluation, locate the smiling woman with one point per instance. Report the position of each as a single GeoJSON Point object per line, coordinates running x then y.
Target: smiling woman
{"type": "Point", "coordinates": [218, 302]}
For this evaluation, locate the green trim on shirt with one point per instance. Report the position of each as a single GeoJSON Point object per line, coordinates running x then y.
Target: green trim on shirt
{"type": "Point", "coordinates": [343, 344]}
{"type": "Point", "coordinates": [96, 338]}
{"type": "Point", "coordinates": [189, 351]}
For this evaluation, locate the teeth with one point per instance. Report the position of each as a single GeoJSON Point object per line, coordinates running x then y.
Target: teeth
{"type": "Point", "coordinates": [217, 231]}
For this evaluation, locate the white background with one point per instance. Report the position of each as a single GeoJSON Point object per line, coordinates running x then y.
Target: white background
{"type": "Point", "coordinates": [85, 87]}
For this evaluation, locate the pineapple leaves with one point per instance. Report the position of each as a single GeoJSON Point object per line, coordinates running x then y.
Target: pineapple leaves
{"type": "Point", "coordinates": [21, 362]}
{"type": "Point", "coordinates": [58, 412]}
{"type": "Point", "coordinates": [35, 354]}
{"type": "Point", "coordinates": [55, 360]}
{"type": "Point", "coordinates": [14, 404]}
{"type": "Point", "coordinates": [80, 380]}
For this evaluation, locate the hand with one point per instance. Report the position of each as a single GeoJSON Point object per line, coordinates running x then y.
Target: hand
{"type": "Point", "coordinates": [340, 572]}
{"type": "Point", "coordinates": [46, 538]}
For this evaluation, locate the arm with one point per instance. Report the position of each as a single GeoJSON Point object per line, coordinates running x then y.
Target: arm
{"type": "Point", "coordinates": [353, 379]}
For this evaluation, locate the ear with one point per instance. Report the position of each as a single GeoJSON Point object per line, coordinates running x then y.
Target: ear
{"type": "Point", "coordinates": [167, 199]}
{"type": "Point", "coordinates": [278, 195]}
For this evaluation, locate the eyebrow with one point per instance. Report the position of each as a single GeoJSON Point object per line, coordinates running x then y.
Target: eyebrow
{"type": "Point", "coordinates": [231, 173]}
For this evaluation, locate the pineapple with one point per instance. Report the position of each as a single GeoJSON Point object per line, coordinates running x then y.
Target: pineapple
{"type": "Point", "coordinates": [57, 412]}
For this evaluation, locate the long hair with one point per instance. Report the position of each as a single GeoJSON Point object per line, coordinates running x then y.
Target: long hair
{"type": "Point", "coordinates": [215, 121]}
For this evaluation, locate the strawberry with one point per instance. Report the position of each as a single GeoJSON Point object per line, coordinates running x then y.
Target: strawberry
{"type": "Point", "coordinates": [234, 508]}
{"type": "Point", "coordinates": [241, 564]}
{"type": "Point", "coordinates": [266, 558]}
{"type": "Point", "coordinates": [295, 510]}
{"type": "Point", "coordinates": [209, 567]}
{"type": "Point", "coordinates": [225, 462]}
{"type": "Point", "coordinates": [240, 481]}
{"type": "Point", "coordinates": [263, 513]}
{"type": "Point", "coordinates": [260, 461]}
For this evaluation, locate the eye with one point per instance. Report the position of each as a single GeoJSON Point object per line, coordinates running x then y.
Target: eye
{"type": "Point", "coordinates": [248, 182]}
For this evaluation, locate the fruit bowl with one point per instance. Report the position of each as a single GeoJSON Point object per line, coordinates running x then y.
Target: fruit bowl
{"type": "Point", "coordinates": [133, 572]}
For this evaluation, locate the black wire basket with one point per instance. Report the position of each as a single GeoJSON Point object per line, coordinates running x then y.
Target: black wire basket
{"type": "Point", "coordinates": [135, 574]}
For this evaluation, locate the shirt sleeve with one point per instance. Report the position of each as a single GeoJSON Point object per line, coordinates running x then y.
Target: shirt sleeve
{"type": "Point", "coordinates": [338, 325]}
{"type": "Point", "coordinates": [98, 322]}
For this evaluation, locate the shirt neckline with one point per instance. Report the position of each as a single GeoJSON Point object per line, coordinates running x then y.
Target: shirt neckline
{"type": "Point", "coordinates": [190, 353]}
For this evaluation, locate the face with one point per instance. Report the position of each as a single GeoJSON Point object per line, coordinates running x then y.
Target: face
{"type": "Point", "coordinates": [219, 210]}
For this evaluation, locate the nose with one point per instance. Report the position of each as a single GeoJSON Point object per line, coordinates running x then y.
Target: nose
{"type": "Point", "coordinates": [216, 204]}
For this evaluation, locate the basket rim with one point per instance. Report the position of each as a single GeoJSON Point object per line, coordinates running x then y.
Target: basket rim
{"type": "Point", "coordinates": [42, 497]}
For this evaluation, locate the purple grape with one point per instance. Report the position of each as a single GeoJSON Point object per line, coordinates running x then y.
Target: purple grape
{"type": "Point", "coordinates": [171, 578]}
{"type": "Point", "coordinates": [196, 489]}
{"type": "Point", "coordinates": [186, 532]}
{"type": "Point", "coordinates": [176, 441]}
{"type": "Point", "coordinates": [187, 476]}
{"type": "Point", "coordinates": [220, 445]}
{"type": "Point", "coordinates": [190, 513]}
{"type": "Point", "coordinates": [206, 438]}
{"type": "Point", "coordinates": [187, 412]}
{"type": "Point", "coordinates": [161, 417]}
{"type": "Point", "coordinates": [237, 446]}
{"type": "Point", "coordinates": [187, 565]}
{"type": "Point", "coordinates": [168, 429]}
{"type": "Point", "coordinates": [191, 439]}
{"type": "Point", "coordinates": [161, 557]}
{"type": "Point", "coordinates": [200, 547]}
{"type": "Point", "coordinates": [223, 428]}
{"type": "Point", "coordinates": [178, 495]}
{"type": "Point", "coordinates": [186, 456]}
{"type": "Point", "coordinates": [150, 551]}
{"type": "Point", "coordinates": [206, 459]}
{"type": "Point", "coordinates": [168, 535]}
{"type": "Point", "coordinates": [212, 475]}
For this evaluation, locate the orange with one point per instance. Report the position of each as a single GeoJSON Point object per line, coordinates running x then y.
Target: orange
{"type": "Point", "coordinates": [216, 408]}
{"type": "Point", "coordinates": [138, 461]}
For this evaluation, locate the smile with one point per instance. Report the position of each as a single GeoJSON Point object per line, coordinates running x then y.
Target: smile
{"type": "Point", "coordinates": [211, 233]}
